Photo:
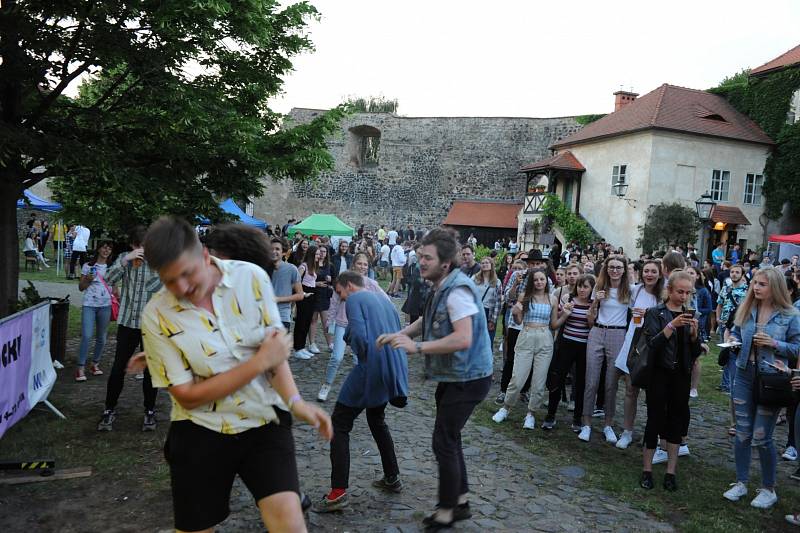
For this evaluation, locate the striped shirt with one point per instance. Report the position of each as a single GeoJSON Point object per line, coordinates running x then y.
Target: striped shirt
{"type": "Point", "coordinates": [138, 286]}
{"type": "Point", "coordinates": [576, 327]}
{"type": "Point", "coordinates": [492, 297]}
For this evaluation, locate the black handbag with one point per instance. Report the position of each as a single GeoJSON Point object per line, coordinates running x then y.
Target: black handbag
{"type": "Point", "coordinates": [772, 390]}
{"type": "Point", "coordinates": [639, 361]}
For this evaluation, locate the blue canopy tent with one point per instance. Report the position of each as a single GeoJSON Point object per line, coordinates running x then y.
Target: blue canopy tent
{"type": "Point", "coordinates": [230, 207]}
{"type": "Point", "coordinates": [32, 201]}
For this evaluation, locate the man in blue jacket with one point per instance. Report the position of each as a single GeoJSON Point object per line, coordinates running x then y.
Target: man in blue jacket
{"type": "Point", "coordinates": [458, 354]}
{"type": "Point", "coordinates": [380, 377]}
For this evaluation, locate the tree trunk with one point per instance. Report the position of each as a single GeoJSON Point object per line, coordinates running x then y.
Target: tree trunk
{"type": "Point", "coordinates": [9, 242]}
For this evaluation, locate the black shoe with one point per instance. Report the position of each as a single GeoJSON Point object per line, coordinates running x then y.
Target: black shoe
{"type": "Point", "coordinates": [670, 484]}
{"type": "Point", "coordinates": [549, 423]}
{"type": "Point", "coordinates": [431, 524]}
{"type": "Point", "coordinates": [646, 481]}
{"type": "Point", "coordinates": [388, 484]}
{"type": "Point", "coordinates": [462, 512]}
{"type": "Point", "coordinates": [305, 502]}
{"type": "Point", "coordinates": [107, 420]}
{"type": "Point", "coordinates": [796, 475]}
{"type": "Point", "coordinates": [149, 422]}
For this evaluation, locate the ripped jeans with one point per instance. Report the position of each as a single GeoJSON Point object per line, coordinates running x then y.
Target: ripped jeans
{"type": "Point", "coordinates": [754, 428]}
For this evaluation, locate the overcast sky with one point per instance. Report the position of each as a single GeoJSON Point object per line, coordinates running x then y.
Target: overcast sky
{"type": "Point", "coordinates": [529, 58]}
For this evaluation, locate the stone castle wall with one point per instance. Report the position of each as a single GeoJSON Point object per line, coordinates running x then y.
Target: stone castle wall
{"type": "Point", "coordinates": [424, 164]}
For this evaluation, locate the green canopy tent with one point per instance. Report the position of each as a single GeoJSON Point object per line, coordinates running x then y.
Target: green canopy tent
{"type": "Point", "coordinates": [329, 225]}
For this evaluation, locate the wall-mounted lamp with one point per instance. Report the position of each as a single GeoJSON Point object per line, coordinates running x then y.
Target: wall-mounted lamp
{"type": "Point", "coordinates": [620, 188]}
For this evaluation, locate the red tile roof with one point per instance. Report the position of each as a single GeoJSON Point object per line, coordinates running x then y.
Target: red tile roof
{"type": "Point", "coordinates": [483, 214]}
{"type": "Point", "coordinates": [563, 161]}
{"type": "Point", "coordinates": [787, 59]}
{"type": "Point", "coordinates": [676, 109]}
{"type": "Point", "coordinates": [729, 215]}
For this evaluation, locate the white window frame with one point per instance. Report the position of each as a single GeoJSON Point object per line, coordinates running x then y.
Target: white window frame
{"type": "Point", "coordinates": [619, 173]}
{"type": "Point", "coordinates": [720, 185]}
{"type": "Point", "coordinates": [753, 187]}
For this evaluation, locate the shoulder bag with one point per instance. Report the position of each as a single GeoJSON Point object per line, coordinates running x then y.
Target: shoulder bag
{"type": "Point", "coordinates": [114, 301]}
{"type": "Point", "coordinates": [772, 390]}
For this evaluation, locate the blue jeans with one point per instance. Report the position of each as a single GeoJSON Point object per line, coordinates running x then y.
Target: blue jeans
{"type": "Point", "coordinates": [337, 354]}
{"type": "Point", "coordinates": [728, 373]}
{"type": "Point", "coordinates": [754, 427]}
{"type": "Point", "coordinates": [93, 319]}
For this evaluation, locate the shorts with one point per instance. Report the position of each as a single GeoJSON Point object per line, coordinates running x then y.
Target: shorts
{"type": "Point", "coordinates": [383, 264]}
{"type": "Point", "coordinates": [204, 463]}
{"type": "Point", "coordinates": [397, 273]}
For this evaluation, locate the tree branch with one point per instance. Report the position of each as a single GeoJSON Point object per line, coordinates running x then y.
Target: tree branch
{"type": "Point", "coordinates": [55, 93]}
{"type": "Point", "coordinates": [73, 45]}
{"type": "Point", "coordinates": [111, 89]}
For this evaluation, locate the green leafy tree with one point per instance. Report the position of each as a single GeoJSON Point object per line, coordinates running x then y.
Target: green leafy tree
{"type": "Point", "coordinates": [171, 114]}
{"type": "Point", "coordinates": [668, 223]}
{"type": "Point", "coordinates": [573, 227]}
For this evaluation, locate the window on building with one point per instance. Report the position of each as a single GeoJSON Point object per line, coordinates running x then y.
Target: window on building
{"type": "Point", "coordinates": [618, 177]}
{"type": "Point", "coordinates": [793, 115]}
{"type": "Point", "coordinates": [364, 146]}
{"type": "Point", "coordinates": [752, 189]}
{"type": "Point", "coordinates": [720, 185]}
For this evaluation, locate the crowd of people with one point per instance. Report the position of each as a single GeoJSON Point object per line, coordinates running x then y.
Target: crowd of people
{"type": "Point", "coordinates": [571, 326]}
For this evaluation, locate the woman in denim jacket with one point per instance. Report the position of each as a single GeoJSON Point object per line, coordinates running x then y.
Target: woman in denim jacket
{"type": "Point", "coordinates": [768, 326]}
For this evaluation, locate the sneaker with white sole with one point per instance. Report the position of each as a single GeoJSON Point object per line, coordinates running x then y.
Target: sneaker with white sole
{"type": "Point", "coordinates": [683, 450]}
{"type": "Point", "coordinates": [693, 393]}
{"type": "Point", "coordinates": [764, 499]}
{"type": "Point", "coordinates": [790, 454]}
{"type": "Point", "coordinates": [322, 396]}
{"type": "Point", "coordinates": [107, 420]}
{"type": "Point", "coordinates": [149, 423]}
{"type": "Point", "coordinates": [737, 491]}
{"type": "Point", "coordinates": [500, 399]}
{"type": "Point", "coordinates": [330, 347]}
{"type": "Point", "coordinates": [611, 437]}
{"type": "Point", "coordinates": [660, 456]}
{"type": "Point", "coordinates": [530, 422]}
{"type": "Point", "coordinates": [500, 415]}
{"type": "Point", "coordinates": [625, 439]}
{"type": "Point", "coordinates": [598, 413]}
{"type": "Point", "coordinates": [313, 348]}
{"type": "Point", "coordinates": [585, 434]}
{"type": "Point", "coordinates": [303, 354]}
{"type": "Point", "coordinates": [57, 364]}
{"type": "Point", "coordinates": [549, 424]}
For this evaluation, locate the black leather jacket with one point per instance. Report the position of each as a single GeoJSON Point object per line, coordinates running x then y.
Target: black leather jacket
{"type": "Point", "coordinates": [664, 350]}
{"type": "Point", "coordinates": [336, 261]}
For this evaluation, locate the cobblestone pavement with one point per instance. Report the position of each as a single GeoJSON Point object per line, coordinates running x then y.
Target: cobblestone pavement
{"type": "Point", "coordinates": [511, 488]}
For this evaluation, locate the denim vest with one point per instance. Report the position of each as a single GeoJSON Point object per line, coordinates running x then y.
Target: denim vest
{"type": "Point", "coordinates": [472, 363]}
{"type": "Point", "coordinates": [782, 326]}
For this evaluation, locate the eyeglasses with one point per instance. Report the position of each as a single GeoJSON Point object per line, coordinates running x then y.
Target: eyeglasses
{"type": "Point", "coordinates": [615, 268]}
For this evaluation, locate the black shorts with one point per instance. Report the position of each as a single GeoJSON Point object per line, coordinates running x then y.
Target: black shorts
{"type": "Point", "coordinates": [204, 463]}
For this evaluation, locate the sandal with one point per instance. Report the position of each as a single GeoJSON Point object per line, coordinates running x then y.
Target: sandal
{"type": "Point", "coordinates": [732, 431]}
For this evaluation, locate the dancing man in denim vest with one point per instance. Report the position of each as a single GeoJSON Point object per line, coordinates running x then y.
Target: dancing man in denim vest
{"type": "Point", "coordinates": [458, 354]}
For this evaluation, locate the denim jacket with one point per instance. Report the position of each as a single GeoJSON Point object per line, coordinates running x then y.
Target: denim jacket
{"type": "Point", "coordinates": [783, 327]}
{"type": "Point", "coordinates": [472, 363]}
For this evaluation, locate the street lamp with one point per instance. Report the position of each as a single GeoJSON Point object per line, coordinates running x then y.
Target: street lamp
{"type": "Point", "coordinates": [704, 206]}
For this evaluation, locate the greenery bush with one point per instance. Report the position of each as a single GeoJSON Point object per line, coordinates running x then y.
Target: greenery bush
{"type": "Point", "coordinates": [482, 251]}
{"type": "Point", "coordinates": [668, 223]}
{"type": "Point", "coordinates": [573, 227]}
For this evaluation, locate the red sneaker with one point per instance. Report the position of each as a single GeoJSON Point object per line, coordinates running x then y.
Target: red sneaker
{"type": "Point", "coordinates": [80, 375]}
{"type": "Point", "coordinates": [95, 370]}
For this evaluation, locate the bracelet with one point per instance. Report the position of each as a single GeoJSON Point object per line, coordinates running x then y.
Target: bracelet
{"type": "Point", "coordinates": [670, 326]}
{"type": "Point", "coordinates": [293, 400]}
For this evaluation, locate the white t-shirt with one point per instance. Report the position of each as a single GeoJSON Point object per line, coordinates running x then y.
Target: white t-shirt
{"type": "Point", "coordinates": [612, 311]}
{"type": "Point", "coordinates": [81, 240]}
{"type": "Point", "coordinates": [385, 252]}
{"type": "Point", "coordinates": [460, 304]}
{"type": "Point", "coordinates": [392, 235]}
{"type": "Point", "coordinates": [513, 247]}
{"type": "Point", "coordinates": [398, 256]}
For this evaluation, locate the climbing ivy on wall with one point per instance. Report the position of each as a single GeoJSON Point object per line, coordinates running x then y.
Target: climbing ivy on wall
{"type": "Point", "coordinates": [766, 100]}
{"type": "Point", "coordinates": [574, 228]}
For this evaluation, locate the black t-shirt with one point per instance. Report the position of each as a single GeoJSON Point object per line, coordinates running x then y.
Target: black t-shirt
{"type": "Point", "coordinates": [680, 343]}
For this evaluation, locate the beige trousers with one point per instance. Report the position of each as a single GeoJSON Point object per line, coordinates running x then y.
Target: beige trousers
{"type": "Point", "coordinates": [534, 349]}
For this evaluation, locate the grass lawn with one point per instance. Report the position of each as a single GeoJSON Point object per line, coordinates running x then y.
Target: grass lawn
{"type": "Point", "coordinates": [46, 274]}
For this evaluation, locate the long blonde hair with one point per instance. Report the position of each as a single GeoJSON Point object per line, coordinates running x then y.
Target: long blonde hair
{"type": "Point", "coordinates": [780, 295]}
{"type": "Point", "coordinates": [604, 283]}
{"type": "Point", "coordinates": [478, 277]}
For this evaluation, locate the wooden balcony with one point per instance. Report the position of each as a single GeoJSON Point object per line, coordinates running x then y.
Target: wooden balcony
{"type": "Point", "coordinates": [533, 202]}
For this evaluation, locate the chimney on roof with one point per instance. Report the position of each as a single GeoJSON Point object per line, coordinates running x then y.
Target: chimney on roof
{"type": "Point", "coordinates": [623, 98]}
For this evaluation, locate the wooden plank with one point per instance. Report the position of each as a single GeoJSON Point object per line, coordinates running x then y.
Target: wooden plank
{"type": "Point", "coordinates": [64, 473]}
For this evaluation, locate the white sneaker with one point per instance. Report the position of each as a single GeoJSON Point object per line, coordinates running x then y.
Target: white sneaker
{"type": "Point", "coordinates": [57, 364]}
{"type": "Point", "coordinates": [764, 499]}
{"type": "Point", "coordinates": [500, 415]}
{"type": "Point", "coordinates": [736, 492]}
{"type": "Point", "coordinates": [303, 354]}
{"type": "Point", "coordinates": [611, 437]}
{"type": "Point", "coordinates": [625, 439]}
{"type": "Point", "coordinates": [660, 456]}
{"type": "Point", "coordinates": [790, 454]}
{"type": "Point", "coordinates": [530, 422]}
{"type": "Point", "coordinates": [330, 347]}
{"type": "Point", "coordinates": [323, 392]}
{"type": "Point", "coordinates": [313, 348]}
{"type": "Point", "coordinates": [585, 434]}
{"type": "Point", "coordinates": [683, 450]}
{"type": "Point", "coordinates": [693, 393]}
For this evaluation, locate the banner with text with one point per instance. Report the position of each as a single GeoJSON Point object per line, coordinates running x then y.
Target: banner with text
{"type": "Point", "coordinates": [26, 370]}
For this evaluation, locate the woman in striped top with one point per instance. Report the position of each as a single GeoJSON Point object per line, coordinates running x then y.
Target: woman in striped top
{"type": "Point", "coordinates": [571, 350]}
{"type": "Point", "coordinates": [534, 347]}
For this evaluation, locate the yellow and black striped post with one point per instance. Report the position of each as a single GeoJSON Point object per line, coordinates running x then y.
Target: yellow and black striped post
{"type": "Point", "coordinates": [45, 467]}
